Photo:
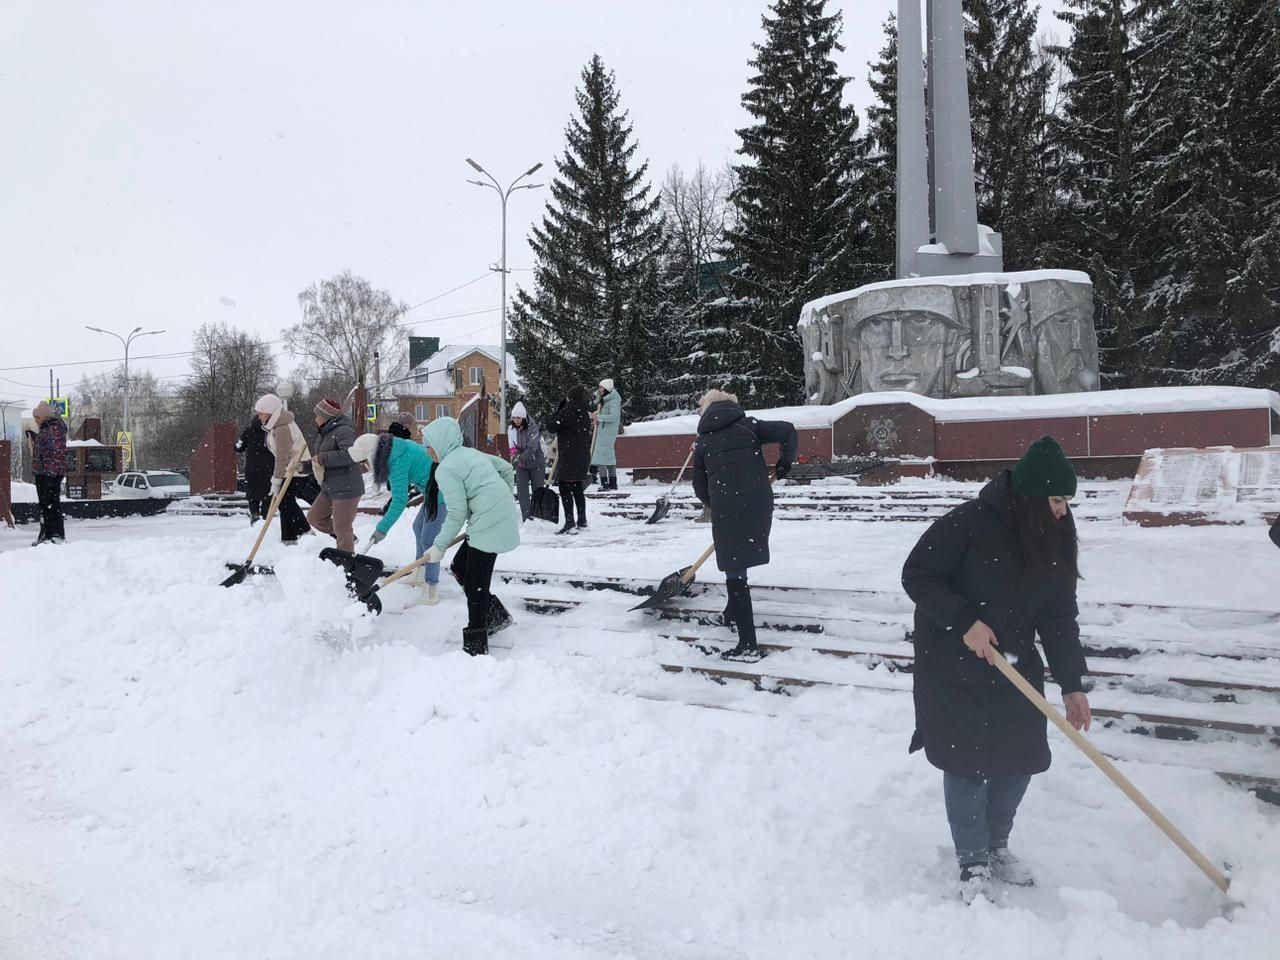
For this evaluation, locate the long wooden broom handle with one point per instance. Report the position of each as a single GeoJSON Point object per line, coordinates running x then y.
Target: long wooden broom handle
{"type": "Point", "coordinates": [1211, 870]}
{"type": "Point", "coordinates": [290, 470]}
{"type": "Point", "coordinates": [680, 475]}
{"type": "Point", "coordinates": [687, 576]}
{"type": "Point", "coordinates": [409, 568]}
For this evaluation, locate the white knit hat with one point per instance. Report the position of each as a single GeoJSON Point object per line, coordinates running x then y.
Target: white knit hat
{"type": "Point", "coordinates": [519, 411]}
{"type": "Point", "coordinates": [268, 403]}
{"type": "Point", "coordinates": [607, 383]}
{"type": "Point", "coordinates": [364, 447]}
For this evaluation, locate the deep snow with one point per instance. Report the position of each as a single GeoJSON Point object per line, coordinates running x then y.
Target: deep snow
{"type": "Point", "coordinates": [192, 771]}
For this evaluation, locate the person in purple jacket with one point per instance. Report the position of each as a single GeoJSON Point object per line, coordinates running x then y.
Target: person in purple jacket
{"type": "Point", "coordinates": [49, 464]}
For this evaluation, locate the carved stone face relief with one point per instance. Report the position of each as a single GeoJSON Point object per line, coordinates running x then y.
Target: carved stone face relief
{"type": "Point", "coordinates": [905, 350]}
{"type": "Point", "coordinates": [1010, 334]}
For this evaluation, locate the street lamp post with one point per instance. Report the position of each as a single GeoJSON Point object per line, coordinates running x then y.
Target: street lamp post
{"type": "Point", "coordinates": [503, 195]}
{"type": "Point", "coordinates": [126, 342]}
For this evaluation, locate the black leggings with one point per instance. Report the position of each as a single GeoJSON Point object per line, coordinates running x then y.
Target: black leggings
{"type": "Point", "coordinates": [49, 493]}
{"type": "Point", "coordinates": [474, 570]}
{"type": "Point", "coordinates": [293, 522]}
{"type": "Point", "coordinates": [571, 492]}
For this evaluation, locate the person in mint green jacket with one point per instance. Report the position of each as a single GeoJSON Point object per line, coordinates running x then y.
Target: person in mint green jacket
{"type": "Point", "coordinates": [478, 490]}
{"type": "Point", "coordinates": [399, 464]}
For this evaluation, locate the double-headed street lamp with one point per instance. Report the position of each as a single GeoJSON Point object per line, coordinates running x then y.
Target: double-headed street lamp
{"type": "Point", "coordinates": [503, 195]}
{"type": "Point", "coordinates": [125, 342]}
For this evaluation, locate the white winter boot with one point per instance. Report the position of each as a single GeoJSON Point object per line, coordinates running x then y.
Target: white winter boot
{"type": "Point", "coordinates": [423, 593]}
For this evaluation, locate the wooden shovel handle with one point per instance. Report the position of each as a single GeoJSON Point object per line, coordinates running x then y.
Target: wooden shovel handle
{"type": "Point", "coordinates": [290, 470]}
{"type": "Point", "coordinates": [409, 568]}
{"type": "Point", "coordinates": [1211, 870]}
{"type": "Point", "coordinates": [687, 576]}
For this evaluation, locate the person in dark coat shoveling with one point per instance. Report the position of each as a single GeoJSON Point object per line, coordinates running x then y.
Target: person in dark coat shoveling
{"type": "Point", "coordinates": [572, 426]}
{"type": "Point", "coordinates": [994, 573]}
{"type": "Point", "coordinates": [259, 464]}
{"type": "Point", "coordinates": [731, 477]}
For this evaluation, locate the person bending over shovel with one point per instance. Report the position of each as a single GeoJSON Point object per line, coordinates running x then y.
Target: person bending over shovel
{"type": "Point", "coordinates": [730, 477]}
{"type": "Point", "coordinates": [478, 490]}
{"type": "Point", "coordinates": [399, 464]}
{"type": "Point", "coordinates": [994, 572]}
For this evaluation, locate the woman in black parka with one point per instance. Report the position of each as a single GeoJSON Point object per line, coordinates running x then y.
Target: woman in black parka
{"type": "Point", "coordinates": [572, 426]}
{"type": "Point", "coordinates": [259, 464]}
{"type": "Point", "coordinates": [731, 477]}
{"type": "Point", "coordinates": [995, 572]}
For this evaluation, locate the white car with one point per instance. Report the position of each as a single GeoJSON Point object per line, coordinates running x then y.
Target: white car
{"type": "Point", "coordinates": [157, 484]}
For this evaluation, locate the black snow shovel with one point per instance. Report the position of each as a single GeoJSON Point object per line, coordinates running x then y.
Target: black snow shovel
{"type": "Point", "coordinates": [663, 506]}
{"type": "Point", "coordinates": [239, 572]}
{"type": "Point", "coordinates": [544, 504]}
{"type": "Point", "coordinates": [674, 584]}
{"type": "Point", "coordinates": [369, 594]}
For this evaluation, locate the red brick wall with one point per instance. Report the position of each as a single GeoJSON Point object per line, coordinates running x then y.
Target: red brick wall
{"type": "Point", "coordinates": [213, 467]}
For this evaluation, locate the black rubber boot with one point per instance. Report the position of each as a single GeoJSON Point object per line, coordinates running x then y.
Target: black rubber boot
{"type": "Point", "coordinates": [568, 527]}
{"type": "Point", "coordinates": [475, 641]}
{"type": "Point", "coordinates": [744, 622]}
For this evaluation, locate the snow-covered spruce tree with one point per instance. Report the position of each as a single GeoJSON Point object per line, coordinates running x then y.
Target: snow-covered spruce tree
{"type": "Point", "coordinates": [795, 212]}
{"type": "Point", "coordinates": [877, 180]}
{"type": "Point", "coordinates": [1009, 83]}
{"type": "Point", "coordinates": [595, 307]}
{"type": "Point", "coordinates": [695, 214]}
{"type": "Point", "coordinates": [1205, 195]}
{"type": "Point", "coordinates": [1253, 110]}
{"type": "Point", "coordinates": [1093, 135]}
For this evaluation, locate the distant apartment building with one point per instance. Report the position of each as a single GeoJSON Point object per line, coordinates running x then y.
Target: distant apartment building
{"type": "Point", "coordinates": [443, 385]}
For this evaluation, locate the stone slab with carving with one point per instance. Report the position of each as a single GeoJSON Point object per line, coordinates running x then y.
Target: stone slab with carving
{"type": "Point", "coordinates": [989, 334]}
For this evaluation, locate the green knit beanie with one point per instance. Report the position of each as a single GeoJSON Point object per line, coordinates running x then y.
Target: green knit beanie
{"type": "Point", "coordinates": [1044, 471]}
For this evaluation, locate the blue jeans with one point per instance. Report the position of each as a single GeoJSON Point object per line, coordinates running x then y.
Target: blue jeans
{"type": "Point", "coordinates": [426, 531]}
{"type": "Point", "coordinates": [981, 813]}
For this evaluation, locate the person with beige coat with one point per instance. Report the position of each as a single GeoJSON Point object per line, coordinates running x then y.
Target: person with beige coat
{"type": "Point", "coordinates": [284, 440]}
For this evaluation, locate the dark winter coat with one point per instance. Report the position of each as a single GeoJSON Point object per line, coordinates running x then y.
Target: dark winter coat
{"type": "Point", "coordinates": [259, 461]}
{"type": "Point", "coordinates": [1275, 532]}
{"type": "Point", "coordinates": [572, 426]}
{"type": "Point", "coordinates": [342, 478]}
{"type": "Point", "coordinates": [731, 476]}
{"type": "Point", "coordinates": [49, 449]}
{"type": "Point", "coordinates": [967, 567]}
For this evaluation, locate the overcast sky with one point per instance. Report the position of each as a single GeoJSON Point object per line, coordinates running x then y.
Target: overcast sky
{"type": "Point", "coordinates": [168, 164]}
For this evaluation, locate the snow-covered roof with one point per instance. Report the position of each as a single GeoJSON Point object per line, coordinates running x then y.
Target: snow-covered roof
{"type": "Point", "coordinates": [433, 377]}
{"type": "Point", "coordinates": [83, 443]}
{"type": "Point", "coordinates": [1098, 403]}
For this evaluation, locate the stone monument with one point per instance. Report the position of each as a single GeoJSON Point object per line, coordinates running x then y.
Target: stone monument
{"type": "Point", "coordinates": [952, 324]}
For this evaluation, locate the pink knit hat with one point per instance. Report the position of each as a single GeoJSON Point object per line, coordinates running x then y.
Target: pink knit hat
{"type": "Point", "coordinates": [268, 403]}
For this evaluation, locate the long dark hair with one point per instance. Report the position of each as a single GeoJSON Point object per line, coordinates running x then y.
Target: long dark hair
{"type": "Point", "coordinates": [1049, 546]}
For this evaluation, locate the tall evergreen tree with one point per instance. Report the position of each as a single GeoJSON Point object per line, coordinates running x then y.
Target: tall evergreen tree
{"type": "Point", "coordinates": [597, 304]}
{"type": "Point", "coordinates": [1206, 194]}
{"type": "Point", "coordinates": [1008, 91]}
{"type": "Point", "coordinates": [1093, 135]}
{"type": "Point", "coordinates": [878, 177]}
{"type": "Point", "coordinates": [796, 212]}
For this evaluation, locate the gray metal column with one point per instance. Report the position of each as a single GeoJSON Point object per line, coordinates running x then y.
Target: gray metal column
{"type": "Point", "coordinates": [955, 203]}
{"type": "Point", "coordinates": [913, 150]}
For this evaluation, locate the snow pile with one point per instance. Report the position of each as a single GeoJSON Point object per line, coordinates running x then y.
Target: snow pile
{"type": "Point", "coordinates": [260, 771]}
{"type": "Point", "coordinates": [20, 492]}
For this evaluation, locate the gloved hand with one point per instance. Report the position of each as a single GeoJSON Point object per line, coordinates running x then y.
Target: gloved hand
{"type": "Point", "coordinates": [435, 555]}
{"type": "Point", "coordinates": [276, 484]}
{"type": "Point", "coordinates": [239, 446]}
{"type": "Point", "coordinates": [782, 469]}
{"type": "Point", "coordinates": [378, 537]}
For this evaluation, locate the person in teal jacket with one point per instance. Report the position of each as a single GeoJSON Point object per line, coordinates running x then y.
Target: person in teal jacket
{"type": "Point", "coordinates": [608, 418]}
{"type": "Point", "coordinates": [399, 464]}
{"type": "Point", "coordinates": [478, 490]}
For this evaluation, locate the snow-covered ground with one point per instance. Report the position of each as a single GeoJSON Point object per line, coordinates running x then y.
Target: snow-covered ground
{"type": "Point", "coordinates": [193, 771]}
